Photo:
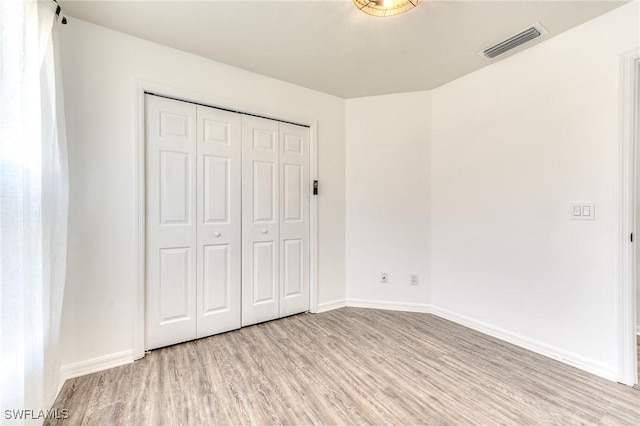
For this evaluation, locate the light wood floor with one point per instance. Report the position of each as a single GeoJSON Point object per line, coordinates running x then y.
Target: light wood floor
{"type": "Point", "coordinates": [638, 383]}
{"type": "Point", "coordinates": [348, 366]}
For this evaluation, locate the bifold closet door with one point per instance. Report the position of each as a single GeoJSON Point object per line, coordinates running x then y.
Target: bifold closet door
{"type": "Point", "coordinates": [275, 221]}
{"type": "Point", "coordinates": [227, 220]}
{"type": "Point", "coordinates": [193, 221]}
{"type": "Point", "coordinates": [219, 218]}
{"type": "Point", "coordinates": [260, 212]}
{"type": "Point", "coordinates": [294, 219]}
{"type": "Point", "coordinates": [171, 222]}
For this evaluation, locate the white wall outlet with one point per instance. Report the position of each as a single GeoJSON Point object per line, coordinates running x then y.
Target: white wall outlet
{"type": "Point", "coordinates": [413, 279]}
{"type": "Point", "coordinates": [384, 277]}
{"type": "Point", "coordinates": [582, 211]}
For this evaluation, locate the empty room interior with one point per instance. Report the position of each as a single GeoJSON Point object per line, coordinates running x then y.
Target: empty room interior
{"type": "Point", "coordinates": [319, 212]}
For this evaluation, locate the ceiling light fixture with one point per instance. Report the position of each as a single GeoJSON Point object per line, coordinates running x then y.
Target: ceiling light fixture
{"type": "Point", "coordinates": [385, 7]}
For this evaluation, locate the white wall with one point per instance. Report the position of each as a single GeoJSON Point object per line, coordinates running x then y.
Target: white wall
{"type": "Point", "coordinates": [99, 70]}
{"type": "Point", "coordinates": [512, 145]}
{"type": "Point", "coordinates": [493, 161]}
{"type": "Point", "coordinates": [468, 185]}
{"type": "Point", "coordinates": [387, 208]}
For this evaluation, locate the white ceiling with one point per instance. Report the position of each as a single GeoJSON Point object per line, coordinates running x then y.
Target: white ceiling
{"type": "Point", "coordinates": [330, 46]}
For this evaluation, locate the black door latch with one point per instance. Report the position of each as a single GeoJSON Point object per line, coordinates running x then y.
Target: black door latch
{"type": "Point", "coordinates": [315, 187]}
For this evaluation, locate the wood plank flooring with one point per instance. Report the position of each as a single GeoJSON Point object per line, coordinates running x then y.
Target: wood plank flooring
{"type": "Point", "coordinates": [638, 383]}
{"type": "Point", "coordinates": [347, 366]}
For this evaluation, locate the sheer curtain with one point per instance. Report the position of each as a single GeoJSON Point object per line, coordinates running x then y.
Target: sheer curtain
{"type": "Point", "coordinates": [33, 207]}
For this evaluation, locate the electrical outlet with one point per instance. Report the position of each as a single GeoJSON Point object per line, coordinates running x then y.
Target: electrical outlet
{"type": "Point", "coordinates": [414, 279]}
{"type": "Point", "coordinates": [384, 277]}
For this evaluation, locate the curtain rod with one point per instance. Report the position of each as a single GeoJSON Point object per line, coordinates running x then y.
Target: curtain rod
{"type": "Point", "coordinates": [58, 11]}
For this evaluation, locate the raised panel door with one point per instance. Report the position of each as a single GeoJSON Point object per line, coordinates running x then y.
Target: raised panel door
{"type": "Point", "coordinates": [294, 219]}
{"type": "Point", "coordinates": [260, 227]}
{"type": "Point", "coordinates": [170, 137]}
{"type": "Point", "coordinates": [219, 220]}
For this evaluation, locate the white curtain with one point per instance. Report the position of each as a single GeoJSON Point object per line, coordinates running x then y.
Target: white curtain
{"type": "Point", "coordinates": [33, 208]}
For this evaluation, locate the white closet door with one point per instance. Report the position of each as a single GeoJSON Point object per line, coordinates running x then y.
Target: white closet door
{"type": "Point", "coordinates": [218, 255]}
{"type": "Point", "coordinates": [294, 219]}
{"type": "Point", "coordinates": [171, 221]}
{"type": "Point", "coordinates": [260, 205]}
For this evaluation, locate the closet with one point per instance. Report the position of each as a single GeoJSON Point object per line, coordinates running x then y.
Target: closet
{"type": "Point", "coordinates": [227, 220]}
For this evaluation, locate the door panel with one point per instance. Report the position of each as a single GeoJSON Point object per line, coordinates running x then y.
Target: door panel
{"type": "Point", "coordinates": [171, 223]}
{"type": "Point", "coordinates": [216, 189]}
{"type": "Point", "coordinates": [294, 194]}
{"type": "Point", "coordinates": [264, 191]}
{"type": "Point", "coordinates": [294, 220]}
{"type": "Point", "coordinates": [218, 200]}
{"type": "Point", "coordinates": [260, 213]}
{"type": "Point", "coordinates": [174, 187]}
{"type": "Point", "coordinates": [216, 278]}
{"type": "Point", "coordinates": [263, 139]}
{"type": "Point", "coordinates": [175, 277]}
{"type": "Point", "coordinates": [264, 273]}
{"type": "Point", "coordinates": [293, 267]}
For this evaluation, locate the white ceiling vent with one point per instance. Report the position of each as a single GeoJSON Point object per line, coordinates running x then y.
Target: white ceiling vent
{"type": "Point", "coordinates": [524, 36]}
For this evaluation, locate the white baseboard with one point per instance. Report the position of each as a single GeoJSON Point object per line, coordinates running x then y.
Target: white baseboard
{"type": "Point", "coordinates": [105, 362]}
{"type": "Point", "coordinates": [562, 355]}
{"type": "Point", "coordinates": [70, 371]}
{"type": "Point", "coordinates": [328, 306]}
{"type": "Point", "coordinates": [94, 365]}
{"type": "Point", "coordinates": [553, 352]}
{"type": "Point", "coordinates": [390, 306]}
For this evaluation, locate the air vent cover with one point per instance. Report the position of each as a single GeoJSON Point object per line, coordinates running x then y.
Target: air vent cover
{"type": "Point", "coordinates": [533, 32]}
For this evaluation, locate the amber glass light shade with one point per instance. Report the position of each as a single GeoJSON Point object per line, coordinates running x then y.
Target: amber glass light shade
{"type": "Point", "coordinates": [385, 7]}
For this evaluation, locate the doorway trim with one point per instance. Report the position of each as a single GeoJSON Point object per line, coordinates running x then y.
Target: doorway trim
{"type": "Point", "coordinates": [626, 288]}
{"type": "Point", "coordinates": [143, 86]}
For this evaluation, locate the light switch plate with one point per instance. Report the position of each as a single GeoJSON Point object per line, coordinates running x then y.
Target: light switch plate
{"type": "Point", "coordinates": [582, 211]}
